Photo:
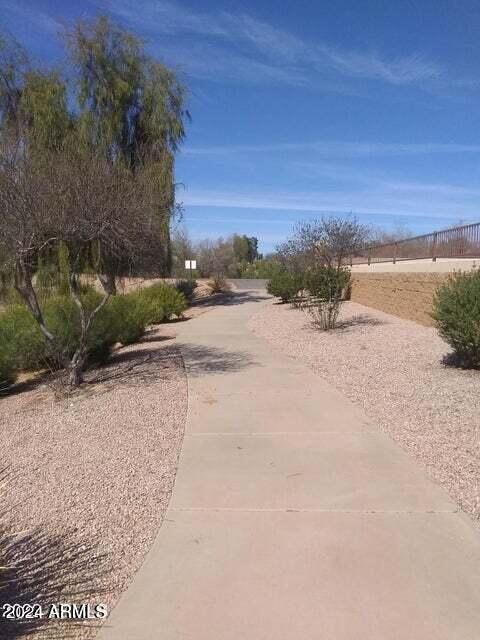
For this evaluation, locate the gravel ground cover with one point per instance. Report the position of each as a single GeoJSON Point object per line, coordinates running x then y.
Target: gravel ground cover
{"type": "Point", "coordinates": [393, 369]}
{"type": "Point", "coordinates": [97, 467]}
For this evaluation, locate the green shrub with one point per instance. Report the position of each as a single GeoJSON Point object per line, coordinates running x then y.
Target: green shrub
{"type": "Point", "coordinates": [123, 319]}
{"type": "Point", "coordinates": [8, 361]}
{"type": "Point", "coordinates": [456, 311]}
{"type": "Point", "coordinates": [32, 351]}
{"type": "Point", "coordinates": [327, 282]}
{"type": "Point", "coordinates": [20, 330]}
{"type": "Point", "coordinates": [328, 287]}
{"type": "Point", "coordinates": [128, 316]}
{"type": "Point", "coordinates": [261, 268]}
{"type": "Point", "coordinates": [22, 346]}
{"type": "Point", "coordinates": [187, 287]}
{"type": "Point", "coordinates": [285, 285]}
{"type": "Point", "coordinates": [162, 302]}
{"type": "Point", "coordinates": [11, 296]}
{"type": "Point", "coordinates": [62, 318]}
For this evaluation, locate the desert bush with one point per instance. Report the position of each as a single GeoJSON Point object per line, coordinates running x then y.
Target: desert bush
{"type": "Point", "coordinates": [62, 318]}
{"type": "Point", "coordinates": [324, 313]}
{"type": "Point", "coordinates": [30, 349]}
{"type": "Point", "coordinates": [285, 285]}
{"type": "Point", "coordinates": [20, 335]}
{"type": "Point", "coordinates": [218, 284]}
{"type": "Point", "coordinates": [456, 311]}
{"type": "Point", "coordinates": [187, 287]}
{"type": "Point", "coordinates": [129, 316]}
{"type": "Point", "coordinates": [8, 365]}
{"type": "Point", "coordinates": [122, 320]}
{"type": "Point", "coordinates": [327, 282]}
{"type": "Point", "coordinates": [327, 285]}
{"type": "Point", "coordinates": [162, 301]}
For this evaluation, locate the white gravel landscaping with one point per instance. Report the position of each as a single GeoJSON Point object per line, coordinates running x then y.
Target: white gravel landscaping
{"type": "Point", "coordinates": [393, 369]}
{"type": "Point", "coordinates": [99, 465]}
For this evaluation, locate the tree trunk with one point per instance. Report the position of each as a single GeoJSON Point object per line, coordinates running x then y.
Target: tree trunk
{"type": "Point", "coordinates": [107, 280]}
{"type": "Point", "coordinates": [24, 286]}
{"type": "Point", "coordinates": [77, 363]}
{"type": "Point", "coordinates": [75, 377]}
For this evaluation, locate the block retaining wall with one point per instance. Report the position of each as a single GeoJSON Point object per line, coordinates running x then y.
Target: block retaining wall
{"type": "Point", "coordinates": [407, 295]}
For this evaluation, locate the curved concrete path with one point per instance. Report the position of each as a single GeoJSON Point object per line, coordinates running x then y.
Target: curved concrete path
{"type": "Point", "coordinates": [293, 517]}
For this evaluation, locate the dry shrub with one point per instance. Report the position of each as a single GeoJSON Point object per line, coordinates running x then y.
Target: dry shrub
{"type": "Point", "coordinates": [218, 284]}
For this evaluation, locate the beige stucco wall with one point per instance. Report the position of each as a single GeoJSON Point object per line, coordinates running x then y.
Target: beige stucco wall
{"type": "Point", "coordinates": [407, 295]}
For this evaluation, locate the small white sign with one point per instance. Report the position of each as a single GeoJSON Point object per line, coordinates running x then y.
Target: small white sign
{"type": "Point", "coordinates": [193, 264]}
{"type": "Point", "coordinates": [187, 264]}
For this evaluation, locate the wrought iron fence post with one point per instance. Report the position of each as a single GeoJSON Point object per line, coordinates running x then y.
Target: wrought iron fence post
{"type": "Point", "coordinates": [395, 252]}
{"type": "Point", "coordinates": [434, 247]}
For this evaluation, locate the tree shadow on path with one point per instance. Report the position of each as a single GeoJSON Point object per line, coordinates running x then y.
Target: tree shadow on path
{"type": "Point", "coordinates": [231, 298]}
{"type": "Point", "coordinates": [203, 360]}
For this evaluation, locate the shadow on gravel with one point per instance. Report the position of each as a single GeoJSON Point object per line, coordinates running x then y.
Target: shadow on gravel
{"type": "Point", "coordinates": [349, 324]}
{"type": "Point", "coordinates": [136, 367]}
{"type": "Point", "coordinates": [201, 360]}
{"type": "Point", "coordinates": [362, 319]}
{"type": "Point", "coordinates": [43, 570]}
{"type": "Point", "coordinates": [154, 338]}
{"type": "Point", "coordinates": [27, 385]}
{"type": "Point", "coordinates": [453, 361]}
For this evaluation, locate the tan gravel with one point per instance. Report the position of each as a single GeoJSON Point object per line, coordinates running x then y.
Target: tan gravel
{"type": "Point", "coordinates": [100, 464]}
{"type": "Point", "coordinates": [393, 369]}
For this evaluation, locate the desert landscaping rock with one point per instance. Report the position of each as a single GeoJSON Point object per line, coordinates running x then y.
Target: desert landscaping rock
{"type": "Point", "coordinates": [101, 463]}
{"type": "Point", "coordinates": [393, 369]}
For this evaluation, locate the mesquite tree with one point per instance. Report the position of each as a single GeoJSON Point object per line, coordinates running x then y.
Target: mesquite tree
{"type": "Point", "coordinates": [319, 249]}
{"type": "Point", "coordinates": [78, 201]}
{"type": "Point", "coordinates": [329, 241]}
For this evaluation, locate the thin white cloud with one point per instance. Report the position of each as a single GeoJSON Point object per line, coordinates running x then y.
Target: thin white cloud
{"type": "Point", "coordinates": [438, 201]}
{"type": "Point", "coordinates": [252, 50]}
{"type": "Point", "coordinates": [206, 62]}
{"type": "Point", "coordinates": [337, 149]}
{"type": "Point", "coordinates": [252, 40]}
{"type": "Point", "coordinates": [407, 70]}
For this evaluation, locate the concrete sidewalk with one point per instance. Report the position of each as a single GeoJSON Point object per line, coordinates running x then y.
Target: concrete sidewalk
{"type": "Point", "coordinates": [292, 517]}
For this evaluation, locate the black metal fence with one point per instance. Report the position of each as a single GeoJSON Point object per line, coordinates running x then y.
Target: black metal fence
{"type": "Point", "coordinates": [459, 242]}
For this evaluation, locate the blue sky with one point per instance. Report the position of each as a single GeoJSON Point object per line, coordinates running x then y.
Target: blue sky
{"type": "Point", "coordinates": [301, 108]}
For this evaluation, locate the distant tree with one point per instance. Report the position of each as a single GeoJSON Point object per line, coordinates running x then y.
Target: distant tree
{"type": "Point", "coordinates": [216, 258]}
{"type": "Point", "coordinates": [253, 249]}
{"type": "Point", "coordinates": [241, 248]}
{"type": "Point", "coordinates": [13, 66]}
{"type": "Point", "coordinates": [382, 236]}
{"type": "Point", "coordinates": [245, 248]}
{"type": "Point", "coordinates": [182, 249]}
